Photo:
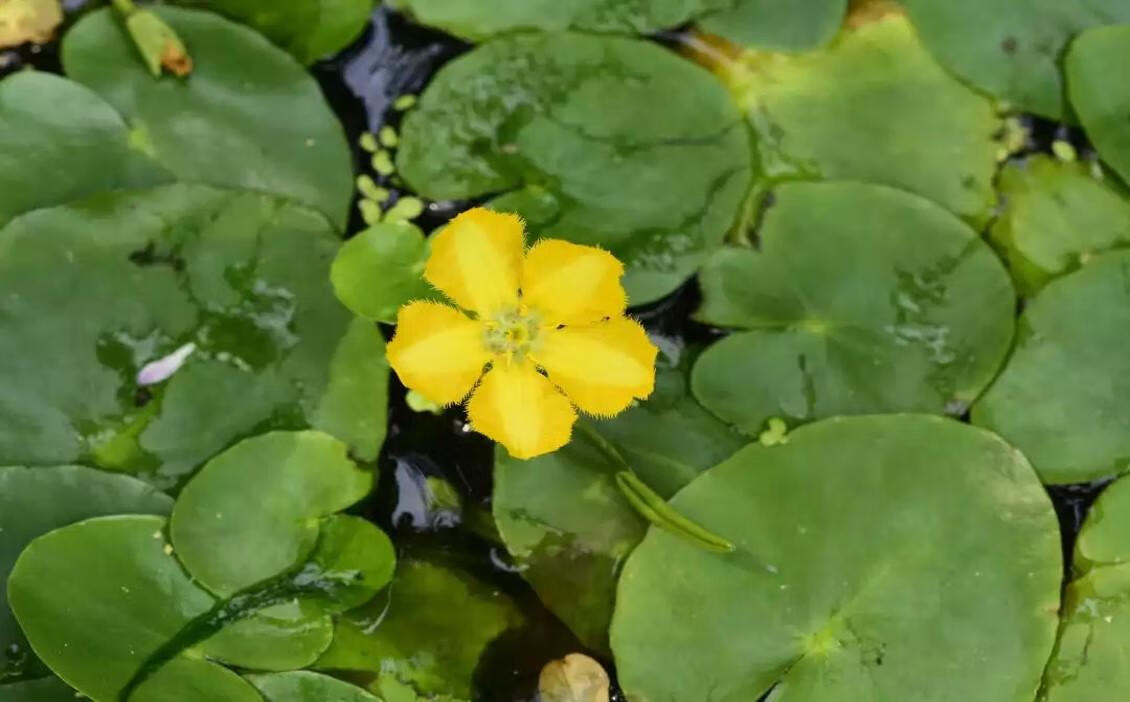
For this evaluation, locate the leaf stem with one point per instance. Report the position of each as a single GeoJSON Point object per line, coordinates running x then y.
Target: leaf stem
{"type": "Point", "coordinates": [656, 510]}
{"type": "Point", "coordinates": [126, 7]}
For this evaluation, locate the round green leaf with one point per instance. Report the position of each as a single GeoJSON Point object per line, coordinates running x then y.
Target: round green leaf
{"type": "Point", "coordinates": [61, 142]}
{"type": "Point", "coordinates": [1064, 397]}
{"type": "Point", "coordinates": [1101, 100]}
{"type": "Point", "coordinates": [873, 106]}
{"type": "Point", "coordinates": [782, 25]}
{"type": "Point", "coordinates": [428, 629]}
{"type": "Point", "coordinates": [308, 29]}
{"type": "Point", "coordinates": [860, 299]}
{"type": "Point", "coordinates": [567, 123]}
{"type": "Point", "coordinates": [567, 524]}
{"type": "Point", "coordinates": [283, 637]}
{"type": "Point", "coordinates": [879, 558]}
{"type": "Point", "coordinates": [97, 599]}
{"type": "Point", "coordinates": [380, 269]}
{"type": "Point", "coordinates": [1056, 216]}
{"type": "Point", "coordinates": [193, 679]}
{"type": "Point", "coordinates": [1011, 48]}
{"type": "Point", "coordinates": [33, 501]}
{"type": "Point", "coordinates": [352, 561]}
{"type": "Point", "coordinates": [253, 512]}
{"type": "Point", "coordinates": [303, 686]}
{"type": "Point", "coordinates": [1089, 661]}
{"type": "Point", "coordinates": [248, 116]}
{"type": "Point", "coordinates": [128, 278]}
{"type": "Point", "coordinates": [49, 689]}
{"type": "Point", "coordinates": [475, 20]}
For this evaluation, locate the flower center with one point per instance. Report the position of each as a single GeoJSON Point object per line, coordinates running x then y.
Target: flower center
{"type": "Point", "coordinates": [512, 332]}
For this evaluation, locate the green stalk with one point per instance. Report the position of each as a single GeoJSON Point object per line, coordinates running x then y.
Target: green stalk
{"type": "Point", "coordinates": [656, 510]}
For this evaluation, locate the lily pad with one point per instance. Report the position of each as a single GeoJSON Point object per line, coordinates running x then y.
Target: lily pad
{"type": "Point", "coordinates": [428, 629]}
{"type": "Point", "coordinates": [781, 25]}
{"type": "Point", "coordinates": [249, 116]}
{"type": "Point", "coordinates": [380, 269]}
{"type": "Point", "coordinates": [304, 686]}
{"type": "Point", "coordinates": [1011, 48]}
{"type": "Point", "coordinates": [127, 278]}
{"type": "Point", "coordinates": [861, 299]}
{"type": "Point", "coordinates": [1056, 217]}
{"type": "Point", "coordinates": [474, 20]}
{"type": "Point", "coordinates": [872, 106]}
{"type": "Point", "coordinates": [285, 636]}
{"type": "Point", "coordinates": [46, 121]}
{"type": "Point", "coordinates": [308, 29]}
{"type": "Point", "coordinates": [256, 510]}
{"type": "Point", "coordinates": [1099, 98]}
{"type": "Point", "coordinates": [1089, 662]}
{"type": "Point", "coordinates": [887, 558]}
{"type": "Point", "coordinates": [193, 679]}
{"type": "Point", "coordinates": [1062, 398]}
{"type": "Point", "coordinates": [565, 521]}
{"type": "Point", "coordinates": [566, 125]}
{"type": "Point", "coordinates": [33, 501]}
{"type": "Point", "coordinates": [97, 599]}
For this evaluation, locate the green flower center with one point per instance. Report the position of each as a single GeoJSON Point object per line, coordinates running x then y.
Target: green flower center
{"type": "Point", "coordinates": [512, 333]}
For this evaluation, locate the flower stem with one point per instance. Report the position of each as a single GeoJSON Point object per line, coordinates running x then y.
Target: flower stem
{"type": "Point", "coordinates": [126, 7]}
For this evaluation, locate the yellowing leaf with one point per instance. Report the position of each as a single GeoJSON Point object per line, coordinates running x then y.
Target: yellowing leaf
{"type": "Point", "coordinates": [574, 678]}
{"type": "Point", "coordinates": [28, 21]}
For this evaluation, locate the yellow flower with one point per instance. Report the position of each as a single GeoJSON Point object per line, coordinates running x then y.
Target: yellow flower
{"type": "Point", "coordinates": [544, 323]}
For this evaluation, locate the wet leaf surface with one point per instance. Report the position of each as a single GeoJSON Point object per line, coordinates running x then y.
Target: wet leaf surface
{"type": "Point", "coordinates": [1055, 218]}
{"type": "Point", "coordinates": [249, 116]}
{"type": "Point", "coordinates": [303, 686]}
{"type": "Point", "coordinates": [1011, 49]}
{"type": "Point", "coordinates": [872, 106]}
{"type": "Point", "coordinates": [380, 269]}
{"type": "Point", "coordinates": [46, 120]}
{"type": "Point", "coordinates": [1062, 397]}
{"type": "Point", "coordinates": [1100, 99]}
{"type": "Point", "coordinates": [780, 25]}
{"type": "Point", "coordinates": [475, 20]}
{"type": "Point", "coordinates": [127, 278]}
{"type": "Point", "coordinates": [855, 577]}
{"type": "Point", "coordinates": [565, 126]}
{"type": "Point", "coordinates": [860, 299]}
{"type": "Point", "coordinates": [34, 501]}
{"type": "Point", "coordinates": [308, 29]}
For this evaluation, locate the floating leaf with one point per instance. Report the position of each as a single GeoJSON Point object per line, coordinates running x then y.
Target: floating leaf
{"type": "Point", "coordinates": [380, 269]}
{"type": "Point", "coordinates": [304, 686]}
{"type": "Point", "coordinates": [567, 523]}
{"type": "Point", "coordinates": [893, 557]}
{"type": "Point", "coordinates": [782, 25]}
{"type": "Point", "coordinates": [1056, 217]}
{"type": "Point", "coordinates": [33, 501]}
{"type": "Point", "coordinates": [285, 636]}
{"type": "Point", "coordinates": [46, 121]}
{"type": "Point", "coordinates": [98, 598]}
{"type": "Point", "coordinates": [861, 299]}
{"type": "Point", "coordinates": [1011, 48]}
{"type": "Point", "coordinates": [308, 29]}
{"type": "Point", "coordinates": [1063, 397]}
{"type": "Point", "coordinates": [230, 542]}
{"type": "Point", "coordinates": [1089, 661]}
{"type": "Point", "coordinates": [873, 106]}
{"type": "Point", "coordinates": [474, 20]}
{"type": "Point", "coordinates": [126, 279]}
{"type": "Point", "coordinates": [1100, 99]}
{"type": "Point", "coordinates": [23, 21]}
{"type": "Point", "coordinates": [50, 689]}
{"type": "Point", "coordinates": [588, 157]}
{"type": "Point", "coordinates": [249, 116]}
{"type": "Point", "coordinates": [574, 678]}
{"type": "Point", "coordinates": [189, 678]}
{"type": "Point", "coordinates": [428, 629]}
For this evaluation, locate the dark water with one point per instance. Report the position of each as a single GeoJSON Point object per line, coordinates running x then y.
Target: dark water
{"type": "Point", "coordinates": [391, 59]}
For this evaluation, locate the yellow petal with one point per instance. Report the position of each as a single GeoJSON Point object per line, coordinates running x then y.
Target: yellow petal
{"type": "Point", "coordinates": [437, 351]}
{"type": "Point", "coordinates": [572, 284]}
{"type": "Point", "coordinates": [477, 260]}
{"type": "Point", "coordinates": [601, 367]}
{"type": "Point", "coordinates": [517, 407]}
